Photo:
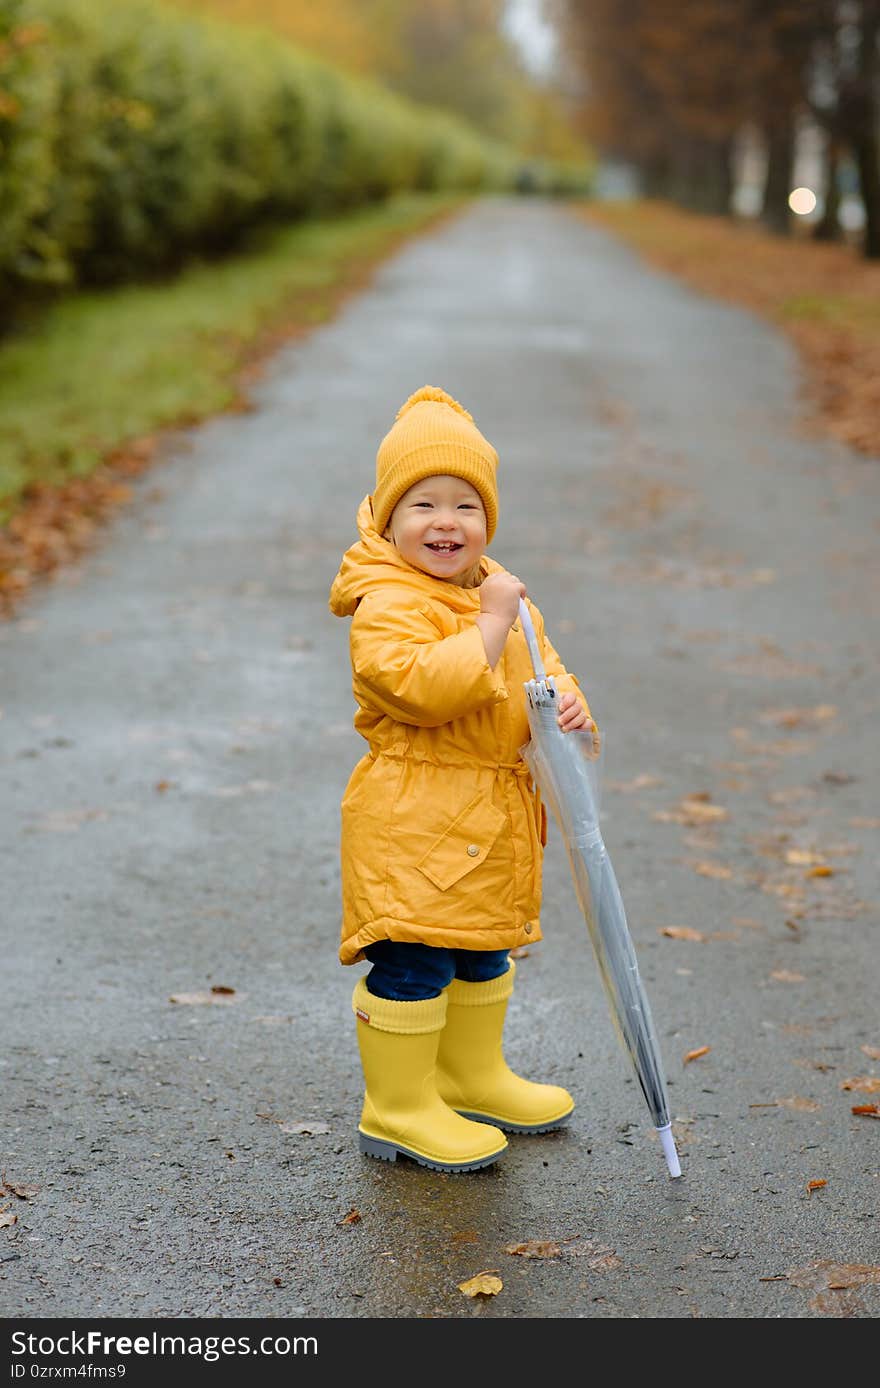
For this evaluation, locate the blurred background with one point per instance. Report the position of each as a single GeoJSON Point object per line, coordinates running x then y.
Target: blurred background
{"type": "Point", "coordinates": [195, 178]}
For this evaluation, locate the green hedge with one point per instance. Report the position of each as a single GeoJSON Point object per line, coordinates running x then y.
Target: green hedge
{"type": "Point", "coordinates": [132, 135]}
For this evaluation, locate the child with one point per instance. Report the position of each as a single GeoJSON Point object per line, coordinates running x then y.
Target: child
{"type": "Point", "coordinates": [442, 830]}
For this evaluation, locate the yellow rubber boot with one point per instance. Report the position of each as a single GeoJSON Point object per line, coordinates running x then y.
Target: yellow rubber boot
{"type": "Point", "coordinates": [403, 1114]}
{"type": "Point", "coordinates": [472, 1074]}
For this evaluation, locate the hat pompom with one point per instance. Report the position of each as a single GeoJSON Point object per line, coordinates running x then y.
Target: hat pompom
{"type": "Point", "coordinates": [433, 393]}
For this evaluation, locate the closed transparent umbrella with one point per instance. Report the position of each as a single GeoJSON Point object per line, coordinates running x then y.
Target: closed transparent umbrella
{"type": "Point", "coordinates": [566, 773]}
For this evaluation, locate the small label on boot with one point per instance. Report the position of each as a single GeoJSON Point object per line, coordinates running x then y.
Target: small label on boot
{"type": "Point", "coordinates": [364, 1016]}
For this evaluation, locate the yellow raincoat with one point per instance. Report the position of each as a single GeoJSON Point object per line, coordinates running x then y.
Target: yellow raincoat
{"type": "Point", "coordinates": [442, 828]}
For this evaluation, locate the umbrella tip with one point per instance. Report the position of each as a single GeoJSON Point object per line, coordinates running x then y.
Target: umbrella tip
{"type": "Point", "coordinates": [669, 1151]}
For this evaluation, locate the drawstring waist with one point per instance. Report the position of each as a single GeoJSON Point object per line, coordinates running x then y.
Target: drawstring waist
{"type": "Point", "coordinates": [514, 768]}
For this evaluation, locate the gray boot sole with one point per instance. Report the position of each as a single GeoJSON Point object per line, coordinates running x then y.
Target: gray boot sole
{"type": "Point", "coordinates": [390, 1151]}
{"type": "Point", "coordinates": [516, 1127]}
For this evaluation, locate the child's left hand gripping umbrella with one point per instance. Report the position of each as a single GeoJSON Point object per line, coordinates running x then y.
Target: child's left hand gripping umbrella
{"type": "Point", "coordinates": [564, 767]}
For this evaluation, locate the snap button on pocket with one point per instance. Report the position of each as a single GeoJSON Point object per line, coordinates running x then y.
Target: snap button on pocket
{"type": "Point", "coordinates": [528, 927]}
{"type": "Point", "coordinates": [464, 845]}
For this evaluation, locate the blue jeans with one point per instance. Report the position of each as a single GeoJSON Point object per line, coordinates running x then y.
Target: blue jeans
{"type": "Point", "coordinates": [410, 973]}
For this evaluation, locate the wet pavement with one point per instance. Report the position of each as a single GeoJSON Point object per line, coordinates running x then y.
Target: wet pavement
{"type": "Point", "coordinates": [176, 735]}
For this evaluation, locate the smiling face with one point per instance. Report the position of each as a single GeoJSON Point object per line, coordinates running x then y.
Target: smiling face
{"type": "Point", "coordinates": [439, 526]}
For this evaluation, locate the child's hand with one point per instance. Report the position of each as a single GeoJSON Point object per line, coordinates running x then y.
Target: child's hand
{"type": "Point", "coordinates": [500, 595]}
{"type": "Point", "coordinates": [574, 718]}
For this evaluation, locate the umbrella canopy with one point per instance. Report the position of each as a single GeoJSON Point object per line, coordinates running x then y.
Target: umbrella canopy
{"type": "Point", "coordinates": [565, 770]}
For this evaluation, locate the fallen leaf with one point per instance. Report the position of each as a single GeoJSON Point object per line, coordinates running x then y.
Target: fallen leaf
{"type": "Point", "coordinates": [203, 999]}
{"type": "Point", "coordinates": [23, 1192]}
{"type": "Point", "coordinates": [600, 1258]}
{"type": "Point", "coordinates": [868, 1084]}
{"type": "Point", "coordinates": [535, 1248]}
{"type": "Point", "coordinates": [837, 909]}
{"type": "Point", "coordinates": [831, 1303]}
{"type": "Point", "coordinates": [835, 1276]}
{"type": "Point", "coordinates": [681, 932]}
{"type": "Point", "coordinates": [771, 663]}
{"type": "Point", "coordinates": [787, 976]}
{"type": "Point", "coordinates": [484, 1284]}
{"type": "Point", "coordinates": [695, 1055]}
{"type": "Point", "coordinates": [308, 1129]}
{"type": "Point", "coordinates": [67, 821]}
{"type": "Point", "coordinates": [790, 890]}
{"type": "Point", "coordinates": [693, 809]}
{"type": "Point", "coordinates": [229, 792]}
{"type": "Point", "coordinates": [798, 1102]}
{"type": "Point", "coordinates": [867, 1110]}
{"type": "Point", "coordinates": [821, 870]}
{"type": "Point", "coordinates": [815, 1185]}
{"type": "Point", "coordinates": [802, 856]}
{"type": "Point", "coordinates": [709, 869]}
{"type": "Point", "coordinates": [7, 1218]}
{"type": "Point", "coordinates": [785, 747]}
{"type": "Point", "coordinates": [872, 1051]}
{"type": "Point", "coordinates": [353, 1217]}
{"type": "Point", "coordinates": [222, 989]}
{"type": "Point", "coordinates": [163, 785]}
{"type": "Point", "coordinates": [790, 794]}
{"type": "Point", "coordinates": [638, 783]}
{"type": "Point", "coordinates": [796, 717]}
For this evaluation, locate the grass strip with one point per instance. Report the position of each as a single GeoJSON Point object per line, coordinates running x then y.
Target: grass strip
{"type": "Point", "coordinates": [87, 388]}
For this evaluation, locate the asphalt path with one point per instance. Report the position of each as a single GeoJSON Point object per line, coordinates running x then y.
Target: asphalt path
{"type": "Point", "coordinates": [176, 735]}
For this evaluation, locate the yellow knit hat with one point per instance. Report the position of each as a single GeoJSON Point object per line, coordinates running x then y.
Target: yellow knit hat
{"type": "Point", "coordinates": [432, 436]}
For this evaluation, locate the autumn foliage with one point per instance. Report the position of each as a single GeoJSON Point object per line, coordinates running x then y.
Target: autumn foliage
{"type": "Point", "coordinates": [672, 86]}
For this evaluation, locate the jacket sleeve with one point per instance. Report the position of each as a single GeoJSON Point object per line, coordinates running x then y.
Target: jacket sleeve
{"type": "Point", "coordinates": [403, 666]}
{"type": "Point", "coordinates": [565, 681]}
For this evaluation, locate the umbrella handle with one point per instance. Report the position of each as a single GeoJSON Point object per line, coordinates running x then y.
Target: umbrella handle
{"type": "Point", "coordinates": [532, 641]}
{"type": "Point", "coordinates": [667, 1142]}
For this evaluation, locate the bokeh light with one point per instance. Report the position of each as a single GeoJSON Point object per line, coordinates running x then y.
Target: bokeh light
{"type": "Point", "coordinates": [802, 201]}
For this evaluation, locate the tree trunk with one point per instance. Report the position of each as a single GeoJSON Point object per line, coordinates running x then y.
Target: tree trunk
{"type": "Point", "coordinates": [655, 176]}
{"type": "Point", "coordinates": [828, 229]}
{"type": "Point", "coordinates": [865, 146]}
{"type": "Point", "coordinates": [723, 180]}
{"type": "Point", "coordinates": [868, 161]}
{"type": "Point", "coordinates": [681, 175]}
{"type": "Point", "coordinates": [780, 157]}
{"type": "Point", "coordinates": [702, 176]}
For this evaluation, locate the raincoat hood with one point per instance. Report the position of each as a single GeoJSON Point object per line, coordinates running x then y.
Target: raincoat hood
{"type": "Point", "coordinates": [373, 562]}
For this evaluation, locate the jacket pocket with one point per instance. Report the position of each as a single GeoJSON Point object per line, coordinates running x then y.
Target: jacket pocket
{"type": "Point", "coordinates": [464, 845]}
